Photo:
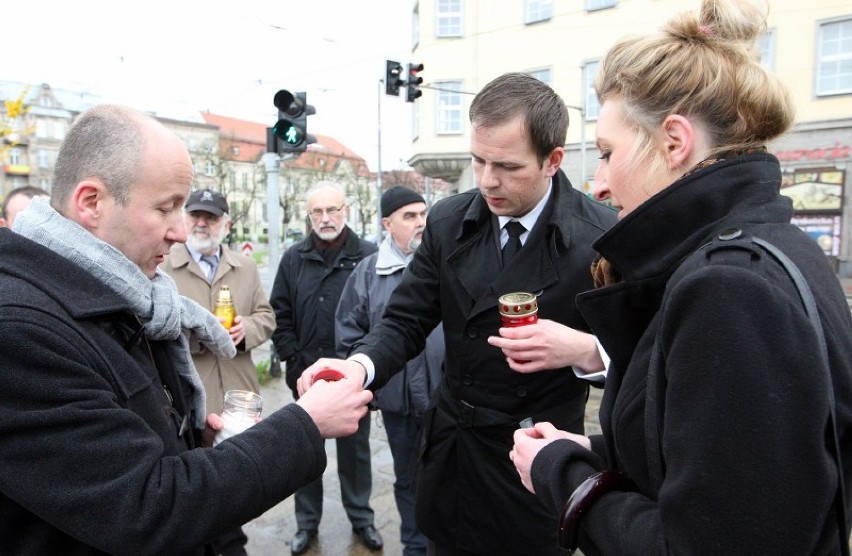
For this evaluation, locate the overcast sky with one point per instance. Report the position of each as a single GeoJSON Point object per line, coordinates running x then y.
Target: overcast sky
{"type": "Point", "coordinates": [176, 57]}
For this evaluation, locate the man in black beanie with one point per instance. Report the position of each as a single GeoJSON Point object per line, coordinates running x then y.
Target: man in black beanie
{"type": "Point", "coordinates": [408, 394]}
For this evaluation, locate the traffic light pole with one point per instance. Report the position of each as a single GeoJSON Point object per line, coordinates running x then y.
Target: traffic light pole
{"type": "Point", "coordinates": [379, 174]}
{"type": "Point", "coordinates": [273, 209]}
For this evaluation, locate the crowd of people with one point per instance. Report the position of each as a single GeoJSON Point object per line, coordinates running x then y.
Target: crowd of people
{"type": "Point", "coordinates": [717, 329]}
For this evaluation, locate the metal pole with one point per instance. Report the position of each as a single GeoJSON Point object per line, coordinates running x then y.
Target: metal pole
{"type": "Point", "coordinates": [273, 209]}
{"type": "Point", "coordinates": [583, 150]}
{"type": "Point", "coordinates": [379, 166]}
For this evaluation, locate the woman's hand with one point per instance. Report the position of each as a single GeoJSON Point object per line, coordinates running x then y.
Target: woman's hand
{"type": "Point", "coordinates": [529, 442]}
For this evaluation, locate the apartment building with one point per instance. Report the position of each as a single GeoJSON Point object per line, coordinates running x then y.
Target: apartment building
{"type": "Point", "coordinates": [463, 44]}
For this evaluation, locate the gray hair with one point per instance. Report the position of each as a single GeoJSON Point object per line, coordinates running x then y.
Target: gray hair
{"type": "Point", "coordinates": [105, 142]}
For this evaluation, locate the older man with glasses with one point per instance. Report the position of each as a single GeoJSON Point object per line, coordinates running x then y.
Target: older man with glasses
{"type": "Point", "coordinates": [307, 288]}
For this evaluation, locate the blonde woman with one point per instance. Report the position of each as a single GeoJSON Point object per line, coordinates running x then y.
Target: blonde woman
{"type": "Point", "coordinates": [717, 416]}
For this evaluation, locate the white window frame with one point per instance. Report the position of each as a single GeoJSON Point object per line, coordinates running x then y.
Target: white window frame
{"type": "Point", "coordinates": [834, 66]}
{"type": "Point", "coordinates": [449, 113]}
{"type": "Point", "coordinates": [594, 5]}
{"type": "Point", "coordinates": [542, 74]}
{"type": "Point", "coordinates": [415, 27]}
{"type": "Point", "coordinates": [536, 11]}
{"type": "Point", "coordinates": [43, 160]}
{"type": "Point", "coordinates": [448, 18]}
{"type": "Point", "coordinates": [591, 107]}
{"type": "Point", "coordinates": [766, 43]}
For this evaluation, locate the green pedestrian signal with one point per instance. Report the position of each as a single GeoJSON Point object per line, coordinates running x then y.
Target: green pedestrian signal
{"type": "Point", "coordinates": [291, 129]}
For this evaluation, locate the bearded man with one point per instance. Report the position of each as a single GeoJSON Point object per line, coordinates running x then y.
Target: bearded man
{"type": "Point", "coordinates": [200, 268]}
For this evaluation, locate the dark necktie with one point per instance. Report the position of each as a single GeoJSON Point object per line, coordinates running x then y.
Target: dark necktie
{"type": "Point", "coordinates": [513, 245]}
{"type": "Point", "coordinates": [211, 263]}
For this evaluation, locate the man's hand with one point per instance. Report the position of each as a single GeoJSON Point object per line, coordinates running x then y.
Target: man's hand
{"type": "Point", "coordinates": [529, 442]}
{"type": "Point", "coordinates": [350, 369]}
{"type": "Point", "coordinates": [336, 407]}
{"type": "Point", "coordinates": [237, 330]}
{"type": "Point", "coordinates": [547, 345]}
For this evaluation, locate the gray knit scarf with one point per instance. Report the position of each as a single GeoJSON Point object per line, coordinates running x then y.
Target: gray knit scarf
{"type": "Point", "coordinates": [164, 313]}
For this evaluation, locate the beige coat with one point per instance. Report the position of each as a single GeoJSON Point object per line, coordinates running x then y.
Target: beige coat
{"type": "Point", "coordinates": [251, 303]}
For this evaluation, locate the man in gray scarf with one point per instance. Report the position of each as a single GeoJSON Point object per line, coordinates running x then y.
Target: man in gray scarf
{"type": "Point", "coordinates": [102, 426]}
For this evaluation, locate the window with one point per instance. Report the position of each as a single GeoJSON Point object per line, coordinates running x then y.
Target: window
{"type": "Point", "coordinates": [42, 158]}
{"type": "Point", "coordinates": [415, 27]}
{"type": "Point", "coordinates": [766, 44]}
{"type": "Point", "coordinates": [15, 157]}
{"type": "Point", "coordinates": [58, 130]}
{"type": "Point", "coordinates": [41, 128]}
{"type": "Point", "coordinates": [542, 75]}
{"type": "Point", "coordinates": [592, 5]}
{"type": "Point", "coordinates": [209, 168]}
{"type": "Point", "coordinates": [245, 181]}
{"type": "Point", "coordinates": [449, 108]}
{"type": "Point", "coordinates": [449, 15]}
{"type": "Point", "coordinates": [537, 10]}
{"type": "Point", "coordinates": [590, 97]}
{"type": "Point", "coordinates": [834, 58]}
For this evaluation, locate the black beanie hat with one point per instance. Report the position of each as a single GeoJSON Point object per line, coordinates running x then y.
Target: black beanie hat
{"type": "Point", "coordinates": [398, 196]}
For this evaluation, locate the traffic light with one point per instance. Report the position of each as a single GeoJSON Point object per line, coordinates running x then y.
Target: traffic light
{"type": "Point", "coordinates": [414, 81]}
{"type": "Point", "coordinates": [291, 129]}
{"type": "Point", "coordinates": [393, 78]}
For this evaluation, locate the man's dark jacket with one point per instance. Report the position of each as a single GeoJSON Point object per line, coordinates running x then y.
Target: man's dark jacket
{"type": "Point", "coordinates": [89, 416]}
{"type": "Point", "coordinates": [304, 297]}
{"type": "Point", "coordinates": [469, 495]}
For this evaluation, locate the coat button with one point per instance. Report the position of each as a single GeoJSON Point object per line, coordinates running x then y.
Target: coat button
{"type": "Point", "coordinates": [467, 380]}
{"type": "Point", "coordinates": [521, 392]}
{"type": "Point", "coordinates": [731, 233]}
{"type": "Point", "coordinates": [321, 298]}
{"type": "Point", "coordinates": [472, 333]}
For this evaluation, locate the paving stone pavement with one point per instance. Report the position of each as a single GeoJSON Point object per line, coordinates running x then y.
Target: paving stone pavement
{"type": "Point", "coordinates": [270, 533]}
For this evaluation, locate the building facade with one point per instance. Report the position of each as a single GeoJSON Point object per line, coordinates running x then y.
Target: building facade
{"type": "Point", "coordinates": [463, 44]}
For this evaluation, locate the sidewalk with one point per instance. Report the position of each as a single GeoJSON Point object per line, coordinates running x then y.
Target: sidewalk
{"type": "Point", "coordinates": [269, 534]}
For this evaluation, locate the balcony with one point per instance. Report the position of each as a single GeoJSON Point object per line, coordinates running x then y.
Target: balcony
{"type": "Point", "coordinates": [16, 169]}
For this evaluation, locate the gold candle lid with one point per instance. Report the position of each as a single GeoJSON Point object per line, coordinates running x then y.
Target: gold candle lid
{"type": "Point", "coordinates": [518, 304]}
{"type": "Point", "coordinates": [224, 296]}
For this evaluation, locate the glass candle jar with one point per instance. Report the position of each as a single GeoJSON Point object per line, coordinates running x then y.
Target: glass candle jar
{"type": "Point", "coordinates": [240, 410]}
{"type": "Point", "coordinates": [224, 307]}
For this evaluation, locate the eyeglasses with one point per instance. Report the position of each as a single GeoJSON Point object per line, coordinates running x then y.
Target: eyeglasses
{"type": "Point", "coordinates": [331, 211]}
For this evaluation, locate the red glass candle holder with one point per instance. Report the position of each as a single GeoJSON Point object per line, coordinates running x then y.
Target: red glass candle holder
{"type": "Point", "coordinates": [518, 309]}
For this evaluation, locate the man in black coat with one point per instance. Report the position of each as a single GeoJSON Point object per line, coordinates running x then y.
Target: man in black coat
{"type": "Point", "coordinates": [102, 413]}
{"type": "Point", "coordinates": [307, 288]}
{"type": "Point", "coordinates": [469, 497]}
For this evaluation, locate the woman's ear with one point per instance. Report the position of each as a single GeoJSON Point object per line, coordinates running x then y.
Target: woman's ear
{"type": "Point", "coordinates": [678, 141]}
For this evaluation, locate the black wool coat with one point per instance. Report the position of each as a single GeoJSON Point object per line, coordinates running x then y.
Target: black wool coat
{"type": "Point", "coordinates": [468, 493]}
{"type": "Point", "coordinates": [742, 402]}
{"type": "Point", "coordinates": [91, 460]}
{"type": "Point", "coordinates": [304, 297]}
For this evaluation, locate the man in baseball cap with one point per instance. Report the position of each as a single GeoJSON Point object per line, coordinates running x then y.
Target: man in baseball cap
{"type": "Point", "coordinates": [208, 201]}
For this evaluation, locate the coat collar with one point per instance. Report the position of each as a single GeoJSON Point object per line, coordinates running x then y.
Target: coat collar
{"type": "Point", "coordinates": [657, 235]}
{"type": "Point", "coordinates": [478, 214]}
{"type": "Point", "coordinates": [39, 266]}
{"type": "Point", "coordinates": [179, 257]}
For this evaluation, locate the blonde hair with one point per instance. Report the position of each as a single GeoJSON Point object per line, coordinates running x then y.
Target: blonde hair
{"type": "Point", "coordinates": [705, 67]}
